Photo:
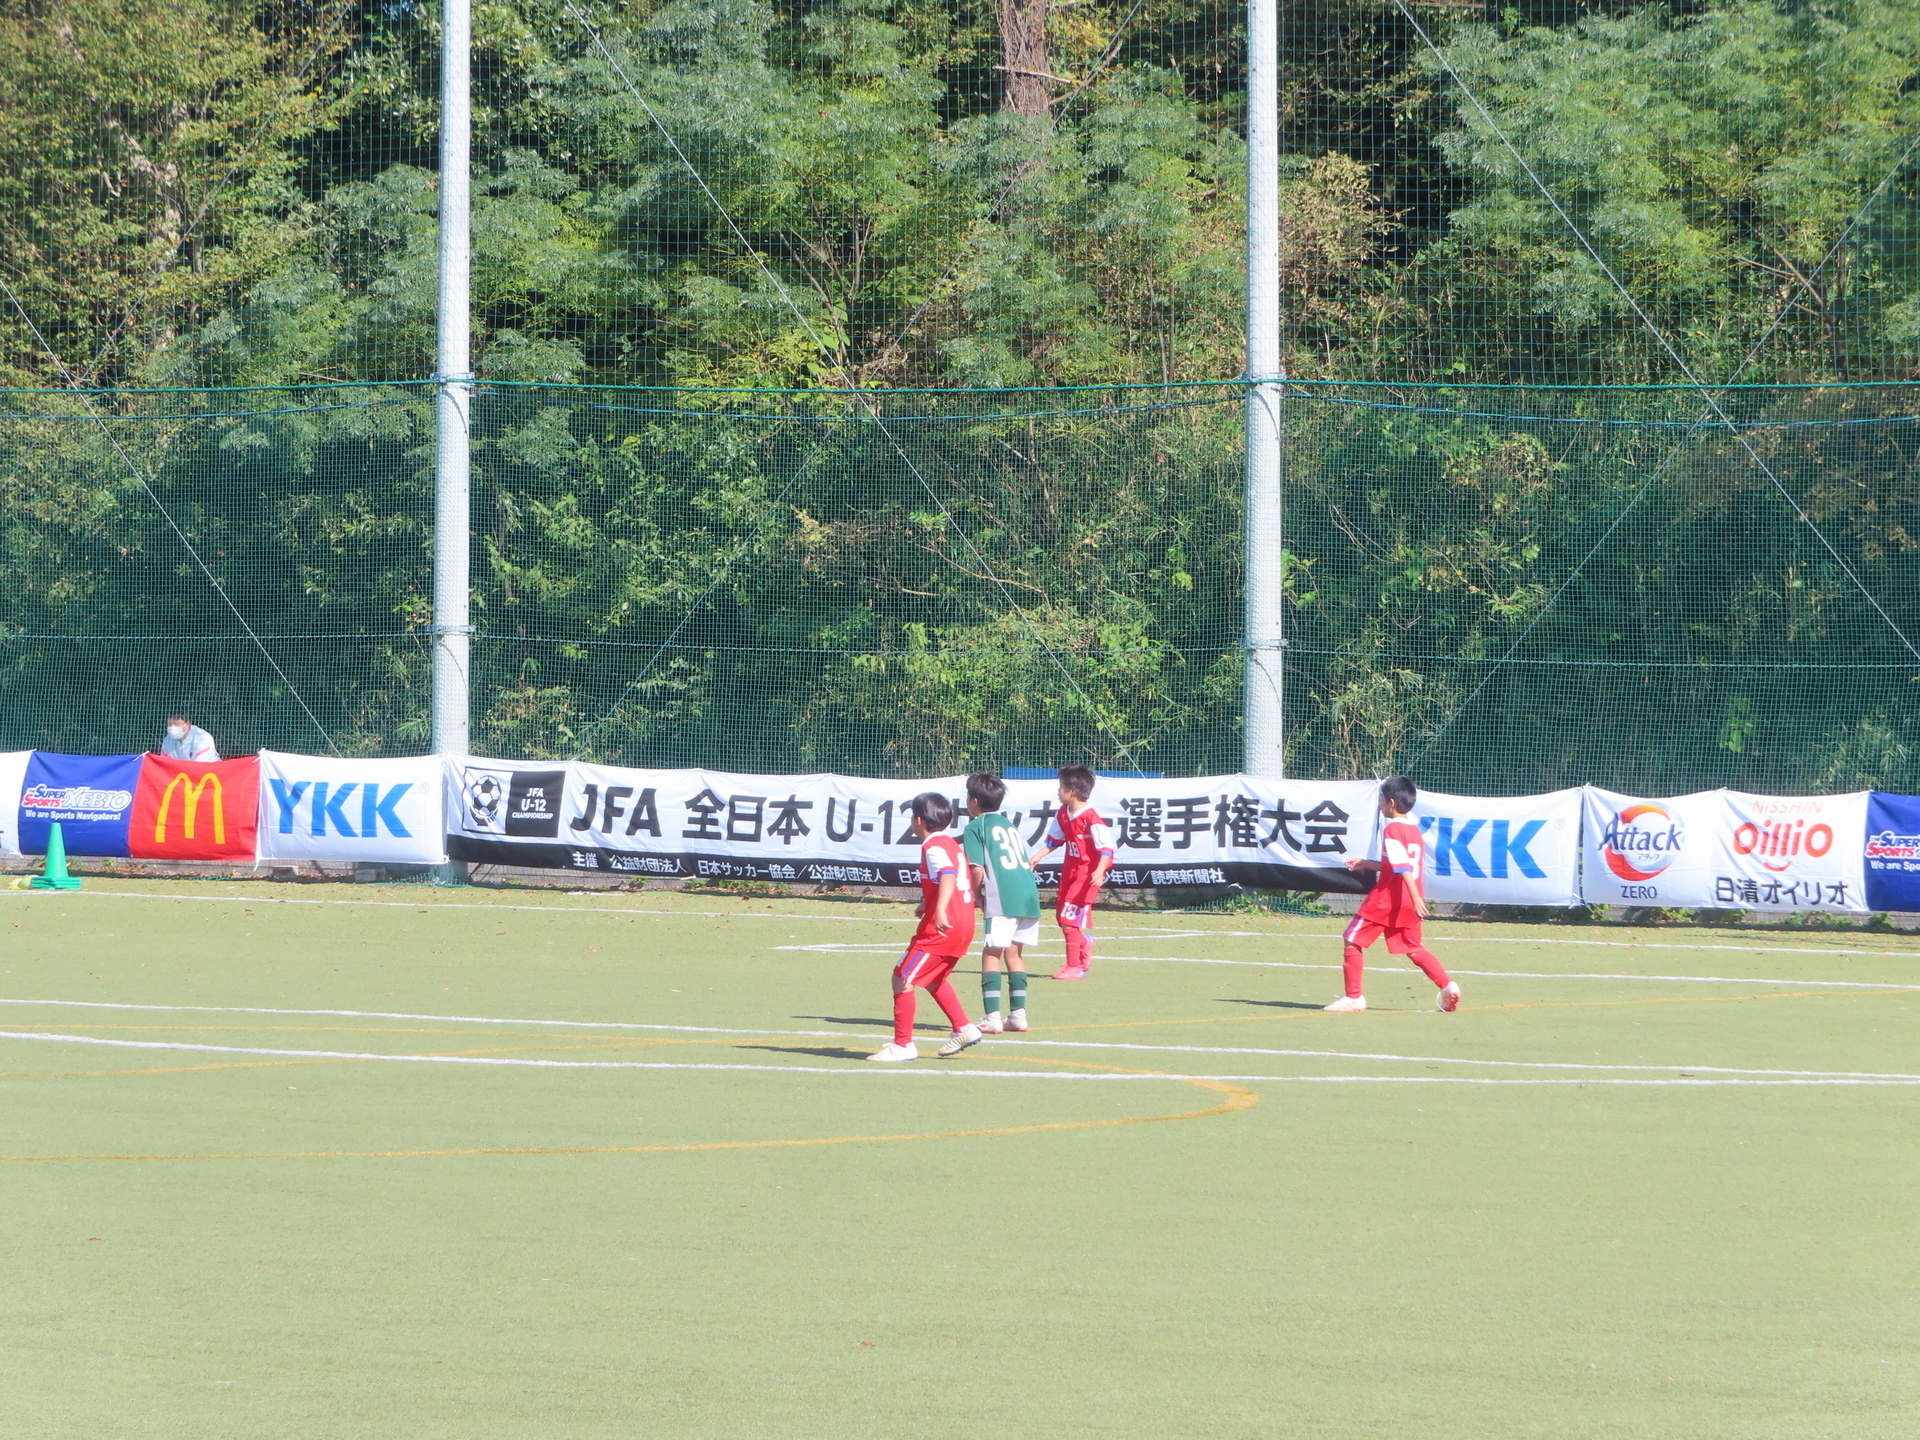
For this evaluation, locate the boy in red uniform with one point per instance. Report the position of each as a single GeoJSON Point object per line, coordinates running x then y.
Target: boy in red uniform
{"type": "Point", "coordinates": [1397, 903]}
{"type": "Point", "coordinates": [1088, 841]}
{"type": "Point", "coordinates": [944, 936]}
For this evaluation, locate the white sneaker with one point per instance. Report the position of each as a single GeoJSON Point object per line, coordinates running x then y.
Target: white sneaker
{"type": "Point", "coordinates": [1449, 998]}
{"type": "Point", "coordinates": [1347, 1005]}
{"type": "Point", "coordinates": [1017, 1021]}
{"type": "Point", "coordinates": [966, 1035]}
{"type": "Point", "coordinates": [891, 1053]}
{"type": "Point", "coordinates": [990, 1024]}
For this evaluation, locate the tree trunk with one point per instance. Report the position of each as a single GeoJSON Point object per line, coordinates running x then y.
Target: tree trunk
{"type": "Point", "coordinates": [1023, 49]}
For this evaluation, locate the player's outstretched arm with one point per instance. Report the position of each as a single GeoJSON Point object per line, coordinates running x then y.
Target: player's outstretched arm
{"type": "Point", "coordinates": [940, 908]}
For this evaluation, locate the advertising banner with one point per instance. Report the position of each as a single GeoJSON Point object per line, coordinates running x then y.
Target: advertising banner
{"type": "Point", "coordinates": [1891, 852]}
{"type": "Point", "coordinates": [1523, 851]}
{"type": "Point", "coordinates": [13, 779]}
{"type": "Point", "coordinates": [91, 796]}
{"type": "Point", "coordinates": [1723, 849]}
{"type": "Point", "coordinates": [825, 828]}
{"type": "Point", "coordinates": [369, 811]}
{"type": "Point", "coordinates": [1791, 852]}
{"type": "Point", "coordinates": [189, 810]}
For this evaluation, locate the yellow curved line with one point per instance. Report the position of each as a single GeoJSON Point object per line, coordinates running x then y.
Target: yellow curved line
{"type": "Point", "coordinates": [1235, 1098]}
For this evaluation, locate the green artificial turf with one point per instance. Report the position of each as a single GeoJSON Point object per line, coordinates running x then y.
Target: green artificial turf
{"type": "Point", "coordinates": [1346, 1257]}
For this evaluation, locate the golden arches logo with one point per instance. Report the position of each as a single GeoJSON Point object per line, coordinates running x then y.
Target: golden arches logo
{"type": "Point", "coordinates": [190, 807]}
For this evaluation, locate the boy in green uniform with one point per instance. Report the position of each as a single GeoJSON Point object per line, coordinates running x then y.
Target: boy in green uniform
{"type": "Point", "coordinates": [1004, 879]}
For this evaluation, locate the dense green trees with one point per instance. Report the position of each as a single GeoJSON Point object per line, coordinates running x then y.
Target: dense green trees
{"type": "Point", "coordinates": [212, 194]}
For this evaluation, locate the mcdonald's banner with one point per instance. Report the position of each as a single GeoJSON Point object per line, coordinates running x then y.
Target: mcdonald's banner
{"type": "Point", "coordinates": [13, 775]}
{"type": "Point", "coordinates": [188, 810]}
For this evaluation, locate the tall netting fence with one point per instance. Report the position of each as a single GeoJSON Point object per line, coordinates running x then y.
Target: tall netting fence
{"type": "Point", "coordinates": [1498, 589]}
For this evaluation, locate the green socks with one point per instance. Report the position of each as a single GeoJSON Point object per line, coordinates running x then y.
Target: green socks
{"type": "Point", "coordinates": [990, 991]}
{"type": "Point", "coordinates": [1016, 989]}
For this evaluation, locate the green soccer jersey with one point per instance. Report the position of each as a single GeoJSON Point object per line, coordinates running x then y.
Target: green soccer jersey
{"type": "Point", "coordinates": [992, 843]}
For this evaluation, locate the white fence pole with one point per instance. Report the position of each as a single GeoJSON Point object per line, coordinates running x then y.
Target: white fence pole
{"type": "Point", "coordinates": [1264, 718]}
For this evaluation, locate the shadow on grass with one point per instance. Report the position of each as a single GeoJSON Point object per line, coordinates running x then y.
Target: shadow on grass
{"type": "Point", "coordinates": [1274, 1004]}
{"type": "Point", "coordinates": [824, 1052]}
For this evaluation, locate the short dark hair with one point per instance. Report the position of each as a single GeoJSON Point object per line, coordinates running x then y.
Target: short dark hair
{"type": "Point", "coordinates": [1077, 780]}
{"type": "Point", "coordinates": [1401, 791]}
{"type": "Point", "coordinates": [986, 787]}
{"type": "Point", "coordinates": [933, 809]}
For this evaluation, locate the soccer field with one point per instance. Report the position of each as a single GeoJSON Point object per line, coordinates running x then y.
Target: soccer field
{"type": "Point", "coordinates": [356, 1161]}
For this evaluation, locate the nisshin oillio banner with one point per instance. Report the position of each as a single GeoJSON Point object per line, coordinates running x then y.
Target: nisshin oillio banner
{"type": "Point", "coordinates": [1725, 849]}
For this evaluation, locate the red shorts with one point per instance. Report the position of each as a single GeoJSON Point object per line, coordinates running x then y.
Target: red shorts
{"type": "Point", "coordinates": [923, 968]}
{"type": "Point", "coordinates": [1401, 939]}
{"type": "Point", "coordinates": [1080, 917]}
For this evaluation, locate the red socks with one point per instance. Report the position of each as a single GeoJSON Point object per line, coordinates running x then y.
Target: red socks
{"type": "Point", "coordinates": [944, 997]}
{"type": "Point", "coordinates": [1430, 966]}
{"type": "Point", "coordinates": [1079, 946]}
{"type": "Point", "coordinates": [903, 1008]}
{"type": "Point", "coordinates": [1355, 965]}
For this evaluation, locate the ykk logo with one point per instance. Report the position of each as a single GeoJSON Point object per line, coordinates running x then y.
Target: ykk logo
{"type": "Point", "coordinates": [1506, 846]}
{"type": "Point", "coordinates": [332, 807]}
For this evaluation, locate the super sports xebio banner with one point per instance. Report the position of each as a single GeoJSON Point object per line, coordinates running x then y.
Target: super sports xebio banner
{"type": "Point", "coordinates": [1719, 849]}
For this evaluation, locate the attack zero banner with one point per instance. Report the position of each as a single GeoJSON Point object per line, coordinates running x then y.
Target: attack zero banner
{"type": "Point", "coordinates": [1221, 830]}
{"type": "Point", "coordinates": [1724, 849]}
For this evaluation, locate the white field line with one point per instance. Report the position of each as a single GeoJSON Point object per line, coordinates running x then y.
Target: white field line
{"type": "Point", "coordinates": [835, 948]}
{"type": "Point", "coordinates": [1149, 932]}
{"type": "Point", "coordinates": [962, 1071]}
{"type": "Point", "coordinates": [1022, 1042]}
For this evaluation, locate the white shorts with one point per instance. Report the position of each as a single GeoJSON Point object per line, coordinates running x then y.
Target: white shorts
{"type": "Point", "coordinates": [1005, 930]}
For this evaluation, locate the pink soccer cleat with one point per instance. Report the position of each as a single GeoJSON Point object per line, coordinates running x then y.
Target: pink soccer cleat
{"type": "Point", "coordinates": [1070, 972]}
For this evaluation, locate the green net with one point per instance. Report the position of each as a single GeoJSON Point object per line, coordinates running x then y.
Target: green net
{"type": "Point", "coordinates": [857, 384]}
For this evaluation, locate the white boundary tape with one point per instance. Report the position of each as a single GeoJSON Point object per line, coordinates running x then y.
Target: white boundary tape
{"type": "Point", "coordinates": [835, 948]}
{"type": "Point", "coordinates": [956, 1072]}
{"type": "Point", "coordinates": [1020, 1042]}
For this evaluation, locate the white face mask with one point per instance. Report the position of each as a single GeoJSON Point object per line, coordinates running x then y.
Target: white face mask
{"type": "Point", "coordinates": [178, 732]}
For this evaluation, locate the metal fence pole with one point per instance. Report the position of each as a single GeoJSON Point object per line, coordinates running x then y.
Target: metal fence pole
{"type": "Point", "coordinates": [453, 405]}
{"type": "Point", "coordinates": [1264, 719]}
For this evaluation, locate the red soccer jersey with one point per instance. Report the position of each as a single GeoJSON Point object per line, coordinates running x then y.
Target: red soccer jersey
{"type": "Point", "coordinates": [1086, 838]}
{"type": "Point", "coordinates": [941, 855]}
{"type": "Point", "coordinates": [1403, 853]}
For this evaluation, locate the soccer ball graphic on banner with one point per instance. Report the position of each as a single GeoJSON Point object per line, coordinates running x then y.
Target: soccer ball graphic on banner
{"type": "Point", "coordinates": [486, 795]}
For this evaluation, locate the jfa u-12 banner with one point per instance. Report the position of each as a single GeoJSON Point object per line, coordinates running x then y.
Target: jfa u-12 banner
{"type": "Point", "coordinates": [826, 828]}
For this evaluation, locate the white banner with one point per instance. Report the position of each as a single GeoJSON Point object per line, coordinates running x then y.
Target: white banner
{"type": "Point", "coordinates": [822, 828]}
{"type": "Point", "coordinates": [1722, 849]}
{"type": "Point", "coordinates": [375, 811]}
{"type": "Point", "coordinates": [1522, 851]}
{"type": "Point", "coordinates": [13, 779]}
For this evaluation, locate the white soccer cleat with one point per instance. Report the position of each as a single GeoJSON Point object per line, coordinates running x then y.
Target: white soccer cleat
{"type": "Point", "coordinates": [966, 1035]}
{"type": "Point", "coordinates": [1347, 1005]}
{"type": "Point", "coordinates": [990, 1024]}
{"type": "Point", "coordinates": [1449, 997]}
{"type": "Point", "coordinates": [890, 1053]}
{"type": "Point", "coordinates": [1017, 1021]}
